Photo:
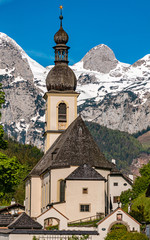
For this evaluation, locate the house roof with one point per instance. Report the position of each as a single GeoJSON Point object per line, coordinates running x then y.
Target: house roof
{"type": "Point", "coordinates": [115, 172]}
{"type": "Point", "coordinates": [5, 220]}
{"type": "Point", "coordinates": [24, 222]}
{"type": "Point", "coordinates": [15, 205]}
{"type": "Point", "coordinates": [74, 147]}
{"type": "Point", "coordinates": [116, 211]}
{"type": "Point", "coordinates": [148, 191]}
{"type": "Point", "coordinates": [85, 172]}
{"type": "Point", "coordinates": [52, 232]}
{"type": "Point", "coordinates": [55, 210]}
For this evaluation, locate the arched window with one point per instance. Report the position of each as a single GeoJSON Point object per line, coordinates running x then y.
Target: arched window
{"type": "Point", "coordinates": [62, 191]}
{"type": "Point", "coordinates": [62, 112]}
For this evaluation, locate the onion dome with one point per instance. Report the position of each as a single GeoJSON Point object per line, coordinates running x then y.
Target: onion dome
{"type": "Point", "coordinates": [61, 78]}
{"type": "Point", "coordinates": [61, 37]}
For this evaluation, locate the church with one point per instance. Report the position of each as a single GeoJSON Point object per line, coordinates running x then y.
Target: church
{"type": "Point", "coordinates": [73, 175]}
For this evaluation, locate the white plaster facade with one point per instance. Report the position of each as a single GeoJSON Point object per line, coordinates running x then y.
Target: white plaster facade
{"type": "Point", "coordinates": [40, 191]}
{"type": "Point", "coordinates": [52, 129]}
{"type": "Point", "coordinates": [117, 184]}
{"type": "Point", "coordinates": [53, 213]}
{"type": "Point", "coordinates": [118, 216]}
{"type": "Point", "coordinates": [75, 197]}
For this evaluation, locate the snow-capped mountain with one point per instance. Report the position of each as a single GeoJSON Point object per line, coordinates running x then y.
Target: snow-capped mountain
{"type": "Point", "coordinates": [112, 93]}
{"type": "Point", "coordinates": [24, 109]}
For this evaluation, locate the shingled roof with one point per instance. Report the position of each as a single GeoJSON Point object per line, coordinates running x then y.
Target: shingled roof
{"type": "Point", "coordinates": [74, 147]}
{"type": "Point", "coordinates": [5, 220]}
{"type": "Point", "coordinates": [115, 172]}
{"type": "Point", "coordinates": [85, 172]}
{"type": "Point", "coordinates": [24, 222]}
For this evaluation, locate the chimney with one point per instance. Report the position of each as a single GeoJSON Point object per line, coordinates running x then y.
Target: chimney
{"type": "Point", "coordinates": [113, 161]}
{"type": "Point", "coordinates": [13, 201]}
{"type": "Point", "coordinates": [131, 177]}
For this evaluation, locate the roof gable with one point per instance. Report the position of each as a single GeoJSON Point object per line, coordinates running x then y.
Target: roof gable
{"type": "Point", "coordinates": [75, 146]}
{"type": "Point", "coordinates": [120, 209]}
{"type": "Point", "coordinates": [85, 172]}
{"type": "Point", "coordinates": [24, 222]}
{"type": "Point", "coordinates": [50, 209]}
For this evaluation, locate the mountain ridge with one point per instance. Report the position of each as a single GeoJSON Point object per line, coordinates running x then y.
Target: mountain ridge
{"type": "Point", "coordinates": [117, 97]}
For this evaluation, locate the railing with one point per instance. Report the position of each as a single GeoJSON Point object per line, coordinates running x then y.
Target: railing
{"type": "Point", "coordinates": [87, 220]}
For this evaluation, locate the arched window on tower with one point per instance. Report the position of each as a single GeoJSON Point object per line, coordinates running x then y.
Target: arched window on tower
{"type": "Point", "coordinates": [62, 116]}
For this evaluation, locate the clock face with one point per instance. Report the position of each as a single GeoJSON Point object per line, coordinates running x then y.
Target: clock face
{"type": "Point", "coordinates": [62, 125]}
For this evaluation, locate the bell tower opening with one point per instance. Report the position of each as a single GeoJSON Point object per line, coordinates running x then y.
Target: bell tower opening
{"type": "Point", "coordinates": [62, 116]}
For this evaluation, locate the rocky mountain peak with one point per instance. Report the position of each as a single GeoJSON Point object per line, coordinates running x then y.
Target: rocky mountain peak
{"type": "Point", "coordinates": [101, 59]}
{"type": "Point", "coordinates": [145, 62]}
{"type": "Point", "coordinates": [23, 111]}
{"type": "Point", "coordinates": [112, 93]}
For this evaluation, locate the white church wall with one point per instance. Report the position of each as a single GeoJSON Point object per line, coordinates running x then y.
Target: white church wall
{"type": "Point", "coordinates": [56, 175]}
{"type": "Point", "coordinates": [21, 237]}
{"type": "Point", "coordinates": [71, 109]}
{"type": "Point", "coordinates": [103, 172]}
{"type": "Point", "coordinates": [51, 117]}
{"type": "Point", "coordinates": [75, 197]}
{"type": "Point", "coordinates": [45, 191]}
{"type": "Point", "coordinates": [35, 196]}
{"type": "Point", "coordinates": [53, 213]}
{"type": "Point", "coordinates": [27, 196]}
{"type": "Point", "coordinates": [117, 184]}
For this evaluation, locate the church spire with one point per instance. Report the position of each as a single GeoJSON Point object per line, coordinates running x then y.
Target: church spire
{"type": "Point", "coordinates": [61, 16]}
{"type": "Point", "coordinates": [61, 38]}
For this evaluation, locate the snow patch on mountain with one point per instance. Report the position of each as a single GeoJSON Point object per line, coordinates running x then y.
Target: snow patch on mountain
{"type": "Point", "coordinates": [114, 94]}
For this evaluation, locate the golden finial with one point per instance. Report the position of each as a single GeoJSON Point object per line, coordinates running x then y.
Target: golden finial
{"type": "Point", "coordinates": [61, 16]}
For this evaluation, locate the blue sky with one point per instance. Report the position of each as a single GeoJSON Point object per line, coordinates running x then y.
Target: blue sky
{"type": "Point", "coordinates": [122, 25]}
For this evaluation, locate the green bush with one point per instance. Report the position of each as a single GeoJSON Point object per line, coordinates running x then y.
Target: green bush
{"type": "Point", "coordinates": [124, 235]}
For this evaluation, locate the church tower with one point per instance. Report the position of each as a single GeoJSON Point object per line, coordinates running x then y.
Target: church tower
{"type": "Point", "coordinates": [61, 98]}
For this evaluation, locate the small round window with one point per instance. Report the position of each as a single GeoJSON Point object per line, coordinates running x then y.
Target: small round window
{"type": "Point", "coordinates": [125, 184]}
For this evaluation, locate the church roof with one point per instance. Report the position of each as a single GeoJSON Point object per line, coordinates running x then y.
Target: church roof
{"type": "Point", "coordinates": [24, 222]}
{"type": "Point", "coordinates": [74, 147]}
{"type": "Point", "coordinates": [85, 172]}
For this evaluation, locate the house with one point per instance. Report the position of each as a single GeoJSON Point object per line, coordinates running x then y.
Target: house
{"type": "Point", "coordinates": [73, 176]}
{"type": "Point", "coordinates": [13, 209]}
